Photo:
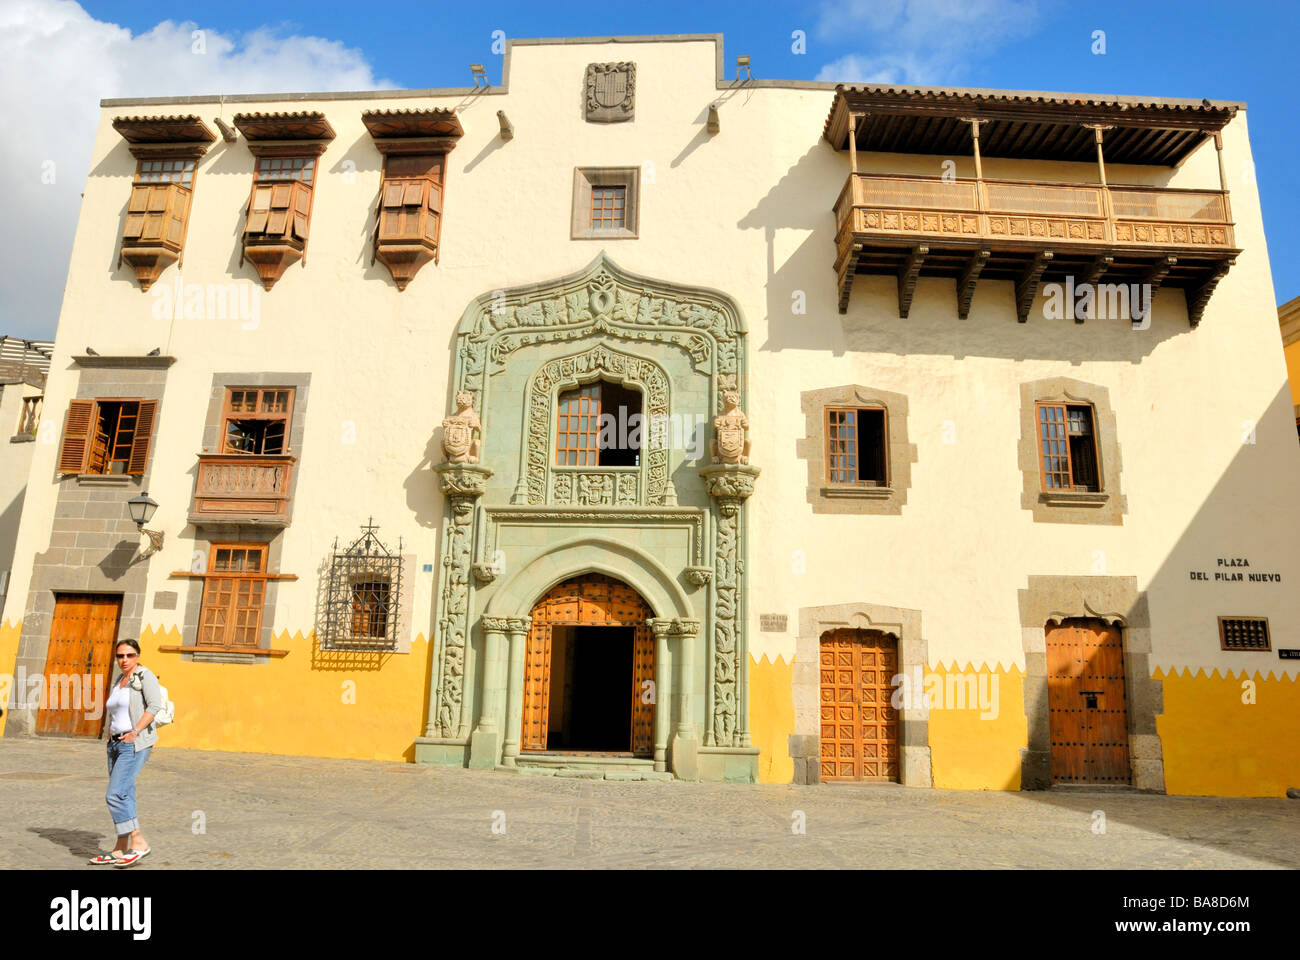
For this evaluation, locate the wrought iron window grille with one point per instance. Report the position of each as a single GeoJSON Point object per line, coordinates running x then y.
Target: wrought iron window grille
{"type": "Point", "coordinates": [363, 594]}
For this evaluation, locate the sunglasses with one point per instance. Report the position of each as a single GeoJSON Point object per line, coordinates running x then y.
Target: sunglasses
{"type": "Point", "coordinates": [127, 656]}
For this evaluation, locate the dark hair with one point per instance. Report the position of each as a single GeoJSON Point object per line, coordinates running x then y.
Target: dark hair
{"type": "Point", "coordinates": [130, 643]}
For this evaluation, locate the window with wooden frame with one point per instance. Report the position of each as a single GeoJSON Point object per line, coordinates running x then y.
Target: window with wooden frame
{"type": "Point", "coordinates": [363, 595]}
{"type": "Point", "coordinates": [277, 222]}
{"type": "Point", "coordinates": [599, 424]}
{"type": "Point", "coordinates": [30, 418]}
{"type": "Point", "coordinates": [1067, 447]}
{"type": "Point", "coordinates": [857, 446]}
{"type": "Point", "coordinates": [256, 420]}
{"type": "Point", "coordinates": [234, 593]}
{"type": "Point", "coordinates": [1244, 633]}
{"type": "Point", "coordinates": [370, 608]}
{"type": "Point", "coordinates": [109, 436]}
{"type": "Point", "coordinates": [606, 203]}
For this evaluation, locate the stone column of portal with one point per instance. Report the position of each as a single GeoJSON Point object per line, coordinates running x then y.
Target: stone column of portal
{"type": "Point", "coordinates": [461, 484]}
{"type": "Point", "coordinates": [730, 485]}
{"type": "Point", "coordinates": [485, 742]}
{"type": "Point", "coordinates": [661, 685]}
{"type": "Point", "coordinates": [517, 628]}
{"type": "Point", "coordinates": [684, 749]}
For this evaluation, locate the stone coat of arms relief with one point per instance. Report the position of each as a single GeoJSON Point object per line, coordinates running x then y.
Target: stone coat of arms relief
{"type": "Point", "coordinates": [610, 92]}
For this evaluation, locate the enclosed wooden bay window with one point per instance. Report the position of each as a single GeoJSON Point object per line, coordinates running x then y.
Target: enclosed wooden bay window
{"type": "Point", "coordinates": [408, 227]}
{"type": "Point", "coordinates": [249, 479]}
{"type": "Point", "coordinates": [109, 436]}
{"type": "Point", "coordinates": [167, 150]}
{"type": "Point", "coordinates": [277, 222]}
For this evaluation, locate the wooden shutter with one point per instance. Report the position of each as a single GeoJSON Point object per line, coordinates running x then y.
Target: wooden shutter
{"type": "Point", "coordinates": [76, 436]}
{"type": "Point", "coordinates": [135, 211]}
{"type": "Point", "coordinates": [179, 211]}
{"type": "Point", "coordinates": [281, 197]}
{"type": "Point", "coordinates": [259, 206]}
{"type": "Point", "coordinates": [301, 210]}
{"type": "Point", "coordinates": [143, 434]}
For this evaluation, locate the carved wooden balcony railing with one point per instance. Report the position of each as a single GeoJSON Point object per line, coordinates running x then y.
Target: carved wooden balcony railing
{"type": "Point", "coordinates": [154, 234]}
{"type": "Point", "coordinates": [1029, 232]}
{"type": "Point", "coordinates": [235, 488]}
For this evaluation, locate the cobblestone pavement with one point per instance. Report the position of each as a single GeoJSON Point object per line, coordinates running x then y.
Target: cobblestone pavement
{"type": "Point", "coordinates": [299, 812]}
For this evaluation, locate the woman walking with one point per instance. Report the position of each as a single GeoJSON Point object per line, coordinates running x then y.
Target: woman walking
{"type": "Point", "coordinates": [134, 700]}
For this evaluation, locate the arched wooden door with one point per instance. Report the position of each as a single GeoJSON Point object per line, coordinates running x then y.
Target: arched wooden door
{"type": "Point", "coordinates": [859, 725]}
{"type": "Point", "coordinates": [591, 600]}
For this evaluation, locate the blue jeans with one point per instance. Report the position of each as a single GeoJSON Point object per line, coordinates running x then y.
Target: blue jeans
{"type": "Point", "coordinates": [124, 765]}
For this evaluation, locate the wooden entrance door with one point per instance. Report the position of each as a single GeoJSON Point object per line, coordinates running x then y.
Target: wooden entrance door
{"type": "Point", "coordinates": [78, 665]}
{"type": "Point", "coordinates": [589, 601]}
{"type": "Point", "coordinates": [859, 725]}
{"type": "Point", "coordinates": [1087, 709]}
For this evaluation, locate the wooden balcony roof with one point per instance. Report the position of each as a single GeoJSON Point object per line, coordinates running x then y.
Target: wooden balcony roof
{"type": "Point", "coordinates": [1040, 126]}
{"type": "Point", "coordinates": [186, 129]}
{"type": "Point", "coordinates": [304, 125]}
{"type": "Point", "coordinates": [413, 123]}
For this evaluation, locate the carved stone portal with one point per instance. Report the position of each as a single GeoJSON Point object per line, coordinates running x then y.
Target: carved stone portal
{"type": "Point", "coordinates": [611, 92]}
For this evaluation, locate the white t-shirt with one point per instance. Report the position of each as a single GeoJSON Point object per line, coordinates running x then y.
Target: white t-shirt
{"type": "Point", "coordinates": [119, 710]}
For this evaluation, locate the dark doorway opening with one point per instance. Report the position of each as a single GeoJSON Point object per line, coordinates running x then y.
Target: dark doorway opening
{"type": "Point", "coordinates": [591, 676]}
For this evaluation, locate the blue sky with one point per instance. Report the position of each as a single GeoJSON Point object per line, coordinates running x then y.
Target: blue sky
{"type": "Point", "coordinates": [1238, 51]}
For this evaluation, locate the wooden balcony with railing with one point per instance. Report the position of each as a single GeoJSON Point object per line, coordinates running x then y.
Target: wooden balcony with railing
{"type": "Point", "coordinates": [243, 488]}
{"type": "Point", "coordinates": [1029, 232]}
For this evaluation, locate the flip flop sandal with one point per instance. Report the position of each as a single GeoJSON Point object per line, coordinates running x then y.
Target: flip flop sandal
{"type": "Point", "coordinates": [131, 858]}
{"type": "Point", "coordinates": [104, 858]}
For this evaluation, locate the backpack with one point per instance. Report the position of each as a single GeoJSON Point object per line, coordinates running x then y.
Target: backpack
{"type": "Point", "coordinates": [166, 712]}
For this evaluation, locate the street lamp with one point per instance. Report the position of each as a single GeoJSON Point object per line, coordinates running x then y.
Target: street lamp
{"type": "Point", "coordinates": [142, 508]}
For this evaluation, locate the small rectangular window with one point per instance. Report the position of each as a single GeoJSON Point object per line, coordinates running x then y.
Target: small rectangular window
{"type": "Point", "coordinates": [856, 443]}
{"type": "Point", "coordinates": [607, 207]}
{"type": "Point", "coordinates": [1244, 633]}
{"type": "Point", "coordinates": [166, 171]}
{"type": "Point", "coordinates": [370, 608]}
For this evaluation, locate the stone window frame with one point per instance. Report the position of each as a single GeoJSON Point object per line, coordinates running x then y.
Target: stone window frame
{"type": "Point", "coordinates": [584, 179]}
{"type": "Point", "coordinates": [1049, 600]}
{"type": "Point", "coordinates": [207, 534]}
{"type": "Point", "coordinates": [1106, 506]}
{"type": "Point", "coordinates": [826, 497]}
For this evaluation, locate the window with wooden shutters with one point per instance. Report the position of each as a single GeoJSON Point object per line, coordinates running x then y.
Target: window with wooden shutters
{"type": "Point", "coordinates": [412, 199]}
{"type": "Point", "coordinates": [107, 437]}
{"type": "Point", "coordinates": [160, 203]}
{"type": "Point", "coordinates": [1067, 447]}
{"type": "Point", "coordinates": [856, 446]}
{"type": "Point", "coordinates": [234, 593]}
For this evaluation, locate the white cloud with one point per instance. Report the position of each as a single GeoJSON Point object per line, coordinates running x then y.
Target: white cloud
{"type": "Point", "coordinates": [926, 42]}
{"type": "Point", "coordinates": [56, 62]}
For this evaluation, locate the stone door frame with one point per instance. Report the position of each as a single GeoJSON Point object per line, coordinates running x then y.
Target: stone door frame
{"type": "Point", "coordinates": [913, 721]}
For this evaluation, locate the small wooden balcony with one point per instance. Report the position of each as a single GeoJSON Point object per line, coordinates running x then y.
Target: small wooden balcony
{"type": "Point", "coordinates": [1030, 232]}
{"type": "Point", "coordinates": [235, 488]}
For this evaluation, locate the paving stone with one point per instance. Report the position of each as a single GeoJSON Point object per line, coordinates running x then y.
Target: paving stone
{"type": "Point", "coordinates": [261, 811]}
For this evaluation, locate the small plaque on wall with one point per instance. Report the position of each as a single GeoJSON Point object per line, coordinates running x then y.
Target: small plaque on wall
{"type": "Point", "coordinates": [164, 600]}
{"type": "Point", "coordinates": [1288, 654]}
{"type": "Point", "coordinates": [772, 622]}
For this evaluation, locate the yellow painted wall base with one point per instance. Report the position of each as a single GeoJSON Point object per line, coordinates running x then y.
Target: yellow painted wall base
{"type": "Point", "coordinates": [313, 703]}
{"type": "Point", "coordinates": [771, 717]}
{"type": "Point", "coordinates": [1215, 744]}
{"type": "Point", "coordinates": [974, 747]}
{"type": "Point", "coordinates": [9, 636]}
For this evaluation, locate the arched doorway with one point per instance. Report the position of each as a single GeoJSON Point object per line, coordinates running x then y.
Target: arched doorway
{"type": "Point", "coordinates": [589, 669]}
{"type": "Point", "coordinates": [859, 725]}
